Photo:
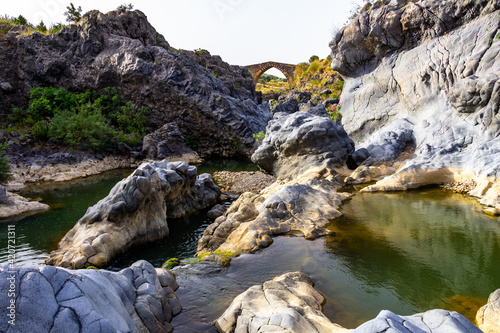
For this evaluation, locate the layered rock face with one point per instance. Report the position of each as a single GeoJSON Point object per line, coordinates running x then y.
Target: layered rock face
{"type": "Point", "coordinates": [135, 212]}
{"type": "Point", "coordinates": [121, 49]}
{"type": "Point", "coordinates": [426, 74]}
{"type": "Point", "coordinates": [302, 150]}
{"type": "Point", "coordinates": [50, 299]}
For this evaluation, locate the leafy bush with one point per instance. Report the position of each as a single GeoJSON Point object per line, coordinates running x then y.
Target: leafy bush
{"type": "Point", "coordinates": [125, 7]}
{"type": "Point", "coordinates": [313, 59]}
{"type": "Point", "coordinates": [259, 137]}
{"type": "Point", "coordinates": [85, 120]}
{"type": "Point", "coordinates": [83, 128]}
{"type": "Point", "coordinates": [334, 112]}
{"type": "Point", "coordinates": [5, 170]}
{"type": "Point", "coordinates": [199, 51]}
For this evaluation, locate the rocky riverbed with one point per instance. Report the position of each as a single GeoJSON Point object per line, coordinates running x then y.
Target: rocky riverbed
{"type": "Point", "coordinates": [420, 107]}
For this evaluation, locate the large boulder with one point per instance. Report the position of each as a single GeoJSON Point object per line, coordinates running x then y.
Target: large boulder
{"type": "Point", "coordinates": [121, 49]}
{"type": "Point", "coordinates": [303, 151]}
{"type": "Point", "coordinates": [299, 141]}
{"type": "Point", "coordinates": [135, 212]}
{"type": "Point", "coordinates": [488, 317]}
{"type": "Point", "coordinates": [287, 303]}
{"type": "Point", "coordinates": [429, 73]}
{"type": "Point", "coordinates": [49, 299]}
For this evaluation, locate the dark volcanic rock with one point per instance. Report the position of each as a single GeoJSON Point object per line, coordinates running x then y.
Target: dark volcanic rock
{"type": "Point", "coordinates": [121, 49]}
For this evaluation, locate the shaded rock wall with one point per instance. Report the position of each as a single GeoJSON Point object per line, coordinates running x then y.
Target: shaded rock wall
{"type": "Point", "coordinates": [135, 212]}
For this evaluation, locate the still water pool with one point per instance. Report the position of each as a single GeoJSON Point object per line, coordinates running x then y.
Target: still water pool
{"type": "Point", "coordinates": [406, 252]}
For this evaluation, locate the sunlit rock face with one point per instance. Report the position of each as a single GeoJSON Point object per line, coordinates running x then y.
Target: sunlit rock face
{"type": "Point", "coordinates": [428, 71]}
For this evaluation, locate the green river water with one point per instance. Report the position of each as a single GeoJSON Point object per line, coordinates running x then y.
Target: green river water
{"type": "Point", "coordinates": [406, 252]}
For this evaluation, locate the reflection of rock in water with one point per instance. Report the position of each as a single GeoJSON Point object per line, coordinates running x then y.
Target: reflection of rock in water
{"type": "Point", "coordinates": [465, 305]}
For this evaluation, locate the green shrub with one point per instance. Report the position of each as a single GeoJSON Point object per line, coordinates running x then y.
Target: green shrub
{"type": "Point", "coordinates": [259, 137]}
{"type": "Point", "coordinates": [83, 128]}
{"type": "Point", "coordinates": [73, 14]}
{"type": "Point", "coordinates": [334, 112]}
{"type": "Point", "coordinates": [125, 7]}
{"type": "Point", "coordinates": [199, 51]}
{"type": "Point", "coordinates": [314, 66]}
{"type": "Point", "coordinates": [41, 27]}
{"type": "Point", "coordinates": [5, 170]}
{"type": "Point", "coordinates": [56, 27]}
{"type": "Point", "coordinates": [313, 59]}
{"type": "Point", "coordinates": [81, 121]}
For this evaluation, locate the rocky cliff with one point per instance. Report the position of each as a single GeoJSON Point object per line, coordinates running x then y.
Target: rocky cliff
{"type": "Point", "coordinates": [425, 74]}
{"type": "Point", "coordinates": [135, 212]}
{"type": "Point", "coordinates": [216, 115]}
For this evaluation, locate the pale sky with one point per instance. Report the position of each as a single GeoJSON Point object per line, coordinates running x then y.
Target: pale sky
{"type": "Point", "coordinates": [242, 32]}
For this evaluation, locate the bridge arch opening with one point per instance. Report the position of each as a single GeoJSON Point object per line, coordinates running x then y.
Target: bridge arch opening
{"type": "Point", "coordinates": [257, 70]}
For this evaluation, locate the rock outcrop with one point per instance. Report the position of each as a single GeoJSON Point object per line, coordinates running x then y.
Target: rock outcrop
{"type": "Point", "coordinates": [433, 321]}
{"type": "Point", "coordinates": [216, 115]}
{"type": "Point", "coordinates": [135, 212]}
{"type": "Point", "coordinates": [488, 317]}
{"type": "Point", "coordinates": [303, 151]}
{"type": "Point", "coordinates": [49, 299]}
{"type": "Point", "coordinates": [14, 207]}
{"type": "Point", "coordinates": [243, 181]}
{"type": "Point", "coordinates": [426, 74]}
{"type": "Point", "coordinates": [288, 303]}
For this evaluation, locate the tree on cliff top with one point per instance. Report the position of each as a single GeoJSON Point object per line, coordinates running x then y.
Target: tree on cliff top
{"type": "Point", "coordinates": [73, 14]}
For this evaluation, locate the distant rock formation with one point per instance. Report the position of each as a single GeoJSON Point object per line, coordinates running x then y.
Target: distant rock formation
{"type": "Point", "coordinates": [135, 212]}
{"type": "Point", "coordinates": [425, 74]}
{"type": "Point", "coordinates": [303, 151]}
{"type": "Point", "coordinates": [49, 299]}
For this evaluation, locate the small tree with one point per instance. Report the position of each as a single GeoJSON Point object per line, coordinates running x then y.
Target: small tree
{"type": "Point", "coordinates": [73, 14]}
{"type": "Point", "coordinates": [313, 58]}
{"type": "Point", "coordinates": [41, 27]}
{"type": "Point", "coordinates": [20, 20]}
{"type": "Point", "coordinates": [125, 7]}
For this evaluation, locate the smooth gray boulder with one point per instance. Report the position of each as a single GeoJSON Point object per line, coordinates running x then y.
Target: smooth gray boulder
{"type": "Point", "coordinates": [488, 316]}
{"type": "Point", "coordinates": [299, 141]}
{"type": "Point", "coordinates": [135, 212]}
{"type": "Point", "coordinates": [49, 299]}
{"type": "Point", "coordinates": [427, 72]}
{"type": "Point", "coordinates": [433, 321]}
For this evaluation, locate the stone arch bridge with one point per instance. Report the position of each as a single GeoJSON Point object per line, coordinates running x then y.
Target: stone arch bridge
{"type": "Point", "coordinates": [258, 69]}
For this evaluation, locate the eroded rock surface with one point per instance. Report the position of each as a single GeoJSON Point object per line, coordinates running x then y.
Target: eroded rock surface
{"type": "Point", "coordinates": [243, 181]}
{"type": "Point", "coordinates": [49, 299]}
{"type": "Point", "coordinates": [430, 71]}
{"type": "Point", "coordinates": [288, 303]}
{"type": "Point", "coordinates": [488, 317]}
{"type": "Point", "coordinates": [302, 150]}
{"type": "Point", "coordinates": [14, 207]}
{"type": "Point", "coordinates": [135, 212]}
